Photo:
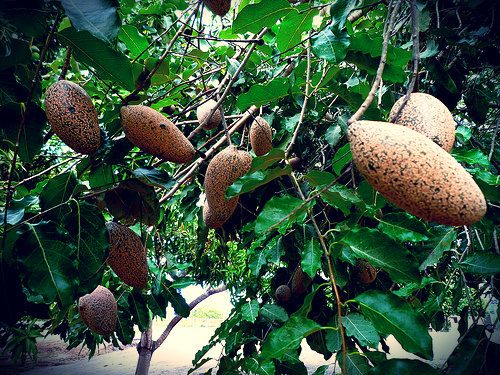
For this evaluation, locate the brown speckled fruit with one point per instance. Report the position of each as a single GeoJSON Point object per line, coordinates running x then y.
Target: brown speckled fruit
{"type": "Point", "coordinates": [204, 110]}
{"type": "Point", "coordinates": [300, 282]}
{"type": "Point", "coordinates": [127, 256]}
{"type": "Point", "coordinates": [365, 272]}
{"type": "Point", "coordinates": [155, 134]}
{"type": "Point", "coordinates": [72, 116]}
{"type": "Point", "coordinates": [223, 169]}
{"type": "Point", "coordinates": [212, 219]}
{"type": "Point", "coordinates": [283, 293]}
{"type": "Point", "coordinates": [219, 7]}
{"type": "Point", "coordinates": [261, 136]}
{"type": "Point", "coordinates": [98, 310]}
{"type": "Point", "coordinates": [428, 116]}
{"type": "Point", "coordinates": [414, 173]}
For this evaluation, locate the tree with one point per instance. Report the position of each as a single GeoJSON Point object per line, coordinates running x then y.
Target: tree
{"type": "Point", "coordinates": [306, 218]}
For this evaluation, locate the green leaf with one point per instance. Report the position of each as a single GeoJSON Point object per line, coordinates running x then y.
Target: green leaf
{"type": "Point", "coordinates": [333, 340]}
{"type": "Point", "coordinates": [441, 243]}
{"type": "Point", "coordinates": [252, 181]}
{"type": "Point", "coordinates": [356, 364]}
{"type": "Point", "coordinates": [341, 197]}
{"type": "Point", "coordinates": [101, 176]}
{"type": "Point", "coordinates": [319, 178]}
{"type": "Point", "coordinates": [372, 45]}
{"type": "Point", "coordinates": [86, 227]}
{"type": "Point", "coordinates": [253, 366]}
{"type": "Point", "coordinates": [391, 315]}
{"type": "Point", "coordinates": [471, 157]}
{"type": "Point", "coordinates": [154, 177]}
{"type": "Point", "coordinates": [99, 17]}
{"type": "Point", "coordinates": [481, 263]}
{"type": "Point", "coordinates": [124, 327]}
{"type": "Point", "coordinates": [485, 176]}
{"type": "Point", "coordinates": [271, 252]}
{"type": "Point", "coordinates": [340, 10]}
{"type": "Point", "coordinates": [468, 357]}
{"type": "Point", "coordinates": [356, 325]}
{"type": "Point", "coordinates": [396, 366]}
{"type": "Point", "coordinates": [382, 251]}
{"type": "Point", "coordinates": [326, 45]}
{"type": "Point", "coordinates": [177, 300]}
{"type": "Point", "coordinates": [250, 311]}
{"type": "Point", "coordinates": [333, 134]}
{"type": "Point", "coordinates": [17, 208]}
{"type": "Point", "coordinates": [274, 313]}
{"type": "Point", "coordinates": [139, 310]}
{"type": "Point", "coordinates": [254, 17]}
{"type": "Point", "coordinates": [47, 259]}
{"type": "Point", "coordinates": [311, 257]}
{"type": "Point", "coordinates": [292, 27]}
{"type": "Point", "coordinates": [259, 95]}
{"type": "Point", "coordinates": [136, 42]}
{"type": "Point", "coordinates": [279, 213]}
{"type": "Point", "coordinates": [288, 337]}
{"type": "Point", "coordinates": [321, 370]}
{"type": "Point", "coordinates": [58, 190]}
{"type": "Point", "coordinates": [265, 161]}
{"type": "Point", "coordinates": [108, 63]}
{"type": "Point", "coordinates": [342, 157]}
{"type": "Point", "coordinates": [403, 227]}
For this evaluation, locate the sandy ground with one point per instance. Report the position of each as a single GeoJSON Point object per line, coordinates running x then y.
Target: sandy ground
{"type": "Point", "coordinates": [175, 355]}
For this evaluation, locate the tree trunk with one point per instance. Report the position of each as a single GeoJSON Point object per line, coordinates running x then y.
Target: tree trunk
{"type": "Point", "coordinates": [145, 349]}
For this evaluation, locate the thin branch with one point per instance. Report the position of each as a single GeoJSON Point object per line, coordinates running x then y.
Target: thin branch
{"type": "Point", "coordinates": [493, 138]}
{"type": "Point", "coordinates": [224, 126]}
{"type": "Point", "coordinates": [306, 97]}
{"type": "Point", "coordinates": [178, 318]}
{"type": "Point", "coordinates": [65, 67]}
{"type": "Point", "coordinates": [391, 16]}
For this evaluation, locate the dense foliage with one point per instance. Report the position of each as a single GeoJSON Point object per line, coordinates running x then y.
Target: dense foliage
{"type": "Point", "coordinates": [307, 65]}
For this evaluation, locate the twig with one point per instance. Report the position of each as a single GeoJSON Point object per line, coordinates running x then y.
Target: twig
{"type": "Point", "coordinates": [391, 16]}
{"type": "Point", "coordinates": [162, 57]}
{"type": "Point", "coordinates": [224, 126]}
{"type": "Point", "coordinates": [65, 67]}
{"type": "Point", "coordinates": [41, 173]}
{"type": "Point", "coordinates": [250, 112]}
{"type": "Point", "coordinates": [9, 192]}
{"type": "Point", "coordinates": [493, 138]}
{"type": "Point", "coordinates": [177, 319]}
{"type": "Point", "coordinates": [306, 97]}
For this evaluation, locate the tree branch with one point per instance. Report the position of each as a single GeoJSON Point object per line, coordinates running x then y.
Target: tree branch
{"type": "Point", "coordinates": [178, 318]}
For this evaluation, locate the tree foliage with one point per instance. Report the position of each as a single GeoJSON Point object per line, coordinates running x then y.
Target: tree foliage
{"type": "Point", "coordinates": [308, 65]}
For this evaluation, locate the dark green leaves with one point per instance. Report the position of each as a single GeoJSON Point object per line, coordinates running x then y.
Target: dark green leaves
{"type": "Point", "coordinates": [108, 63]}
{"type": "Point", "coordinates": [481, 263]}
{"type": "Point", "coordinates": [311, 257]}
{"type": "Point", "coordinates": [250, 311]}
{"type": "Point", "coordinates": [279, 213]}
{"type": "Point", "coordinates": [254, 17]}
{"type": "Point", "coordinates": [403, 366]}
{"type": "Point", "coordinates": [391, 315]}
{"type": "Point", "coordinates": [57, 191]}
{"type": "Point", "coordinates": [136, 42]}
{"type": "Point", "coordinates": [358, 326]}
{"type": "Point", "coordinates": [263, 94]}
{"type": "Point", "coordinates": [288, 337]}
{"type": "Point", "coordinates": [253, 180]}
{"type": "Point", "coordinates": [274, 313]}
{"type": "Point", "coordinates": [326, 45]}
{"type": "Point", "coordinates": [47, 259]}
{"type": "Point", "coordinates": [291, 28]}
{"type": "Point", "coordinates": [441, 242]}
{"type": "Point", "coordinates": [403, 227]}
{"type": "Point", "coordinates": [99, 17]}
{"type": "Point", "coordinates": [382, 251]}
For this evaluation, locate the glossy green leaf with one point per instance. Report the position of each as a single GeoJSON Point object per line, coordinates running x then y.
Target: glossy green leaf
{"type": "Point", "coordinates": [135, 41]}
{"type": "Point", "coordinates": [293, 25]}
{"type": "Point", "coordinates": [252, 181]}
{"type": "Point", "coordinates": [58, 191]}
{"type": "Point", "coordinates": [265, 161]}
{"type": "Point", "coordinates": [340, 10]}
{"type": "Point", "coordinates": [356, 325]}
{"type": "Point", "coordinates": [372, 45]}
{"type": "Point", "coordinates": [288, 337]}
{"type": "Point", "coordinates": [341, 197]}
{"type": "Point", "coordinates": [101, 176]}
{"type": "Point", "coordinates": [311, 257]}
{"type": "Point", "coordinates": [279, 213]}
{"type": "Point", "coordinates": [86, 227]}
{"type": "Point", "coordinates": [327, 45]}
{"type": "Point", "coordinates": [469, 355]}
{"type": "Point", "coordinates": [261, 94]}
{"type": "Point", "coordinates": [17, 208]}
{"type": "Point", "coordinates": [254, 17]}
{"type": "Point", "coordinates": [441, 242]}
{"type": "Point", "coordinates": [271, 253]}
{"type": "Point", "coordinates": [250, 311]}
{"type": "Point", "coordinates": [471, 157]}
{"type": "Point", "coordinates": [382, 251]}
{"type": "Point", "coordinates": [403, 227]}
{"type": "Point", "coordinates": [356, 363]}
{"type": "Point", "coordinates": [396, 366]}
{"type": "Point", "coordinates": [99, 17]}
{"type": "Point", "coordinates": [321, 370]}
{"type": "Point", "coordinates": [47, 259]}
{"type": "Point", "coordinates": [481, 263]}
{"type": "Point", "coordinates": [154, 177]}
{"type": "Point", "coordinates": [177, 300]}
{"type": "Point", "coordinates": [108, 63]}
{"type": "Point", "coordinates": [341, 158]}
{"type": "Point", "coordinates": [139, 310]}
{"type": "Point", "coordinates": [391, 315]}
{"type": "Point", "coordinates": [333, 135]}
{"type": "Point", "coordinates": [255, 367]}
{"type": "Point", "coordinates": [124, 327]}
{"type": "Point", "coordinates": [274, 313]}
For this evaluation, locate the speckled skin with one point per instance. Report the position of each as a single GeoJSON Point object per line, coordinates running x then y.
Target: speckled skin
{"type": "Point", "coordinates": [415, 174]}
{"type": "Point", "coordinates": [283, 293]}
{"type": "Point", "coordinates": [219, 7]}
{"type": "Point", "coordinates": [223, 169]}
{"type": "Point", "coordinates": [155, 134]}
{"type": "Point", "coordinates": [365, 272]}
{"type": "Point", "coordinates": [98, 310]}
{"type": "Point", "coordinates": [300, 282]}
{"type": "Point", "coordinates": [127, 256]}
{"type": "Point", "coordinates": [428, 116]}
{"type": "Point", "coordinates": [72, 116]}
{"type": "Point", "coordinates": [211, 219]}
{"type": "Point", "coordinates": [204, 110]}
{"type": "Point", "coordinates": [261, 136]}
